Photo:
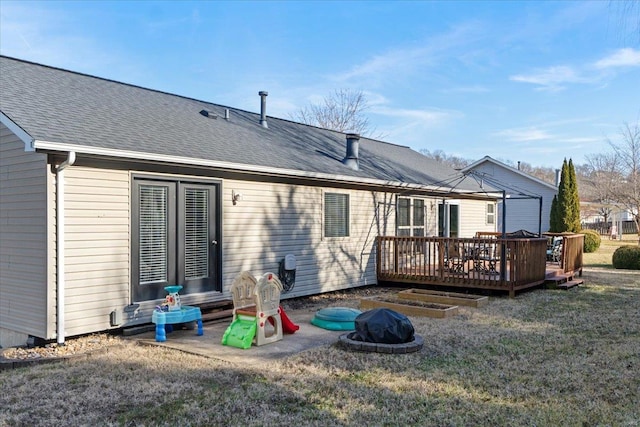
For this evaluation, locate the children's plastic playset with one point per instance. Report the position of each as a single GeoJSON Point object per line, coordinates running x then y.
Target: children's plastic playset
{"type": "Point", "coordinates": [258, 317]}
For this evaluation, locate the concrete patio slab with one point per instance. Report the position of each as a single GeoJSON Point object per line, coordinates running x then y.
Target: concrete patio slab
{"type": "Point", "coordinates": [209, 344]}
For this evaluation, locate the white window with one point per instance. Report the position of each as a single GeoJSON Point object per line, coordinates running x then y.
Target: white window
{"type": "Point", "coordinates": [410, 217]}
{"type": "Point", "coordinates": [336, 215]}
{"type": "Point", "coordinates": [491, 213]}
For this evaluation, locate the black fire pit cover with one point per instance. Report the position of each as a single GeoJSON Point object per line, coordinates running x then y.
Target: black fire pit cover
{"type": "Point", "coordinates": [382, 325]}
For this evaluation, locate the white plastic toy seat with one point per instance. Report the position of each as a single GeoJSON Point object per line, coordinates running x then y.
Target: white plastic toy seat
{"type": "Point", "coordinates": [267, 299]}
{"type": "Point", "coordinates": [243, 292]}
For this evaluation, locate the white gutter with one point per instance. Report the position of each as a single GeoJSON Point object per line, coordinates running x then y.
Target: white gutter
{"type": "Point", "coordinates": [18, 131]}
{"type": "Point", "coordinates": [60, 243]}
{"type": "Point", "coordinates": [188, 161]}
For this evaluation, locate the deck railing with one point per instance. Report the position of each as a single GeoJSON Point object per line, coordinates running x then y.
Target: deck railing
{"type": "Point", "coordinates": [572, 249]}
{"type": "Point", "coordinates": [485, 263]}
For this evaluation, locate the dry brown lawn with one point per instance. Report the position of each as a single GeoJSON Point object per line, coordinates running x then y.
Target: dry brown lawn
{"type": "Point", "coordinates": [545, 358]}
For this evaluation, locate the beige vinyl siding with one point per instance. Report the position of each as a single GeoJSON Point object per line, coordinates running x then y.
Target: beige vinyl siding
{"type": "Point", "coordinates": [23, 237]}
{"type": "Point", "coordinates": [96, 247]}
{"type": "Point", "coordinates": [473, 217]}
{"type": "Point", "coordinates": [273, 220]}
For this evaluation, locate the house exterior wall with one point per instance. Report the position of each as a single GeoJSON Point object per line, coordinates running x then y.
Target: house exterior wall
{"type": "Point", "coordinates": [24, 251]}
{"type": "Point", "coordinates": [270, 221]}
{"type": "Point", "coordinates": [273, 220]}
{"type": "Point", "coordinates": [522, 214]}
{"type": "Point", "coordinates": [96, 247]}
{"type": "Point", "coordinates": [473, 217]}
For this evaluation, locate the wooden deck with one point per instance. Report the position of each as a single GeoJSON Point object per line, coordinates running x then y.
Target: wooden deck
{"type": "Point", "coordinates": [508, 265]}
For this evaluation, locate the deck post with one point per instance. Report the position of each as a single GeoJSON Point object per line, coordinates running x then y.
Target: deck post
{"type": "Point", "coordinates": [396, 256]}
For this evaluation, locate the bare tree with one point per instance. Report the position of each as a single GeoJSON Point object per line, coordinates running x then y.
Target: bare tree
{"type": "Point", "coordinates": [615, 176]}
{"type": "Point", "coordinates": [442, 157]}
{"type": "Point", "coordinates": [343, 111]}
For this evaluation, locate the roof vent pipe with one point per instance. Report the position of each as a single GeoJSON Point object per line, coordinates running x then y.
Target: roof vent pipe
{"type": "Point", "coordinates": [353, 146]}
{"type": "Point", "coordinates": [226, 114]}
{"type": "Point", "coordinates": [558, 175]}
{"type": "Point", "coordinates": [263, 108]}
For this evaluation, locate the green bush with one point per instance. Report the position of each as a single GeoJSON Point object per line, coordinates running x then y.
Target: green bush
{"type": "Point", "coordinates": [592, 240]}
{"type": "Point", "coordinates": [627, 257]}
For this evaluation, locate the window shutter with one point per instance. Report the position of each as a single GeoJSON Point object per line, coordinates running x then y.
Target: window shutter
{"type": "Point", "coordinates": [153, 234]}
{"type": "Point", "coordinates": [196, 233]}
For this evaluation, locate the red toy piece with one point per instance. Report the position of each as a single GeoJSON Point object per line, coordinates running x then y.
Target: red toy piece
{"type": "Point", "coordinates": [288, 327]}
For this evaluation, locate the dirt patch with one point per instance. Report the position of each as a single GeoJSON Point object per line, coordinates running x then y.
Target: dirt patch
{"type": "Point", "coordinates": [72, 346]}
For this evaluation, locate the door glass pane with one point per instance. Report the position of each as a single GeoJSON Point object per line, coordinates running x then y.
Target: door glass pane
{"type": "Point", "coordinates": [441, 220]}
{"type": "Point", "coordinates": [403, 213]}
{"type": "Point", "coordinates": [418, 213]}
{"type": "Point", "coordinates": [196, 224]}
{"type": "Point", "coordinates": [153, 234]}
{"type": "Point", "coordinates": [453, 220]}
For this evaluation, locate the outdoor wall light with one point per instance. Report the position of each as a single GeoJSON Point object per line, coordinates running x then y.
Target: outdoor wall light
{"type": "Point", "coordinates": [235, 197]}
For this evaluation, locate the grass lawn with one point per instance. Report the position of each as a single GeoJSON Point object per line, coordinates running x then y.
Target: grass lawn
{"type": "Point", "coordinates": [545, 358]}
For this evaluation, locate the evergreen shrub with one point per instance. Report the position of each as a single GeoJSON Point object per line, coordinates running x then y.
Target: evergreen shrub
{"type": "Point", "coordinates": [592, 240]}
{"type": "Point", "coordinates": [627, 257]}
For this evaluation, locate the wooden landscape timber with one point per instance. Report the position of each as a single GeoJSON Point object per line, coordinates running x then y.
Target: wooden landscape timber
{"type": "Point", "coordinates": [410, 308]}
{"type": "Point", "coordinates": [443, 297]}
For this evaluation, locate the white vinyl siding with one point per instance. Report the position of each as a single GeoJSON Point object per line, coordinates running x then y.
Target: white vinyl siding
{"type": "Point", "coordinates": [96, 248]}
{"type": "Point", "coordinates": [473, 218]}
{"type": "Point", "coordinates": [522, 214]}
{"type": "Point", "coordinates": [24, 251]}
{"type": "Point", "coordinates": [273, 220]}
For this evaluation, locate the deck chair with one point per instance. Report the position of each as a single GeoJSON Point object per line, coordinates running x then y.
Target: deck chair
{"type": "Point", "coordinates": [554, 252]}
{"type": "Point", "coordinates": [455, 260]}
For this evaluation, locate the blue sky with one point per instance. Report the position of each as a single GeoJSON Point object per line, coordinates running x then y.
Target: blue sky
{"type": "Point", "coordinates": [518, 81]}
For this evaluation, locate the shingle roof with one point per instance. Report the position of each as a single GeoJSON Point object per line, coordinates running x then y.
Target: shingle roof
{"type": "Point", "coordinates": [60, 106]}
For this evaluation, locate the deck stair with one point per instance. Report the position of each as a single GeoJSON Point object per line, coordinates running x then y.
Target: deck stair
{"type": "Point", "coordinates": [215, 311]}
{"type": "Point", "coordinates": [562, 281]}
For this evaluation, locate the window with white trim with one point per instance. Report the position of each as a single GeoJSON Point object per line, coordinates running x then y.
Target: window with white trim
{"type": "Point", "coordinates": [336, 215]}
{"type": "Point", "coordinates": [410, 217]}
{"type": "Point", "coordinates": [491, 213]}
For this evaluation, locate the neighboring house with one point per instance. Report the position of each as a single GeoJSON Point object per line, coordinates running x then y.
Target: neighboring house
{"type": "Point", "coordinates": [528, 199]}
{"type": "Point", "coordinates": [109, 192]}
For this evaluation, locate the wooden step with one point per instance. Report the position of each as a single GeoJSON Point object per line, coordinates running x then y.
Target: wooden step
{"type": "Point", "coordinates": [560, 278]}
{"type": "Point", "coordinates": [216, 310]}
{"type": "Point", "coordinates": [570, 284]}
{"type": "Point", "coordinates": [217, 315]}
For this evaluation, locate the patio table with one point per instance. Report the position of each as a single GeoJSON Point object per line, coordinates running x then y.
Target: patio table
{"type": "Point", "coordinates": [481, 258]}
{"type": "Point", "coordinates": [164, 319]}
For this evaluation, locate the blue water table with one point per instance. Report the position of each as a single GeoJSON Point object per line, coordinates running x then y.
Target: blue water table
{"type": "Point", "coordinates": [172, 312]}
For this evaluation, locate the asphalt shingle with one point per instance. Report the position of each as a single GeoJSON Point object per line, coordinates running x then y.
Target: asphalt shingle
{"type": "Point", "coordinates": [65, 107]}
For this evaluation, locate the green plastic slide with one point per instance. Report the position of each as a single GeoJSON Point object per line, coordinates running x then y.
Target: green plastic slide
{"type": "Point", "coordinates": [240, 332]}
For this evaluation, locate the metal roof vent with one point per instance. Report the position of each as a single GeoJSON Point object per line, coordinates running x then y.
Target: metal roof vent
{"type": "Point", "coordinates": [209, 114]}
{"type": "Point", "coordinates": [263, 108]}
{"type": "Point", "coordinates": [353, 146]}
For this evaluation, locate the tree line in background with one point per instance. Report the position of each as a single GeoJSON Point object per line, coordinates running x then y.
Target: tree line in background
{"type": "Point", "coordinates": [609, 181]}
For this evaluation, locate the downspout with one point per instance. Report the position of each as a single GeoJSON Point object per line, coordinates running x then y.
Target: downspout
{"type": "Point", "coordinates": [71, 159]}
